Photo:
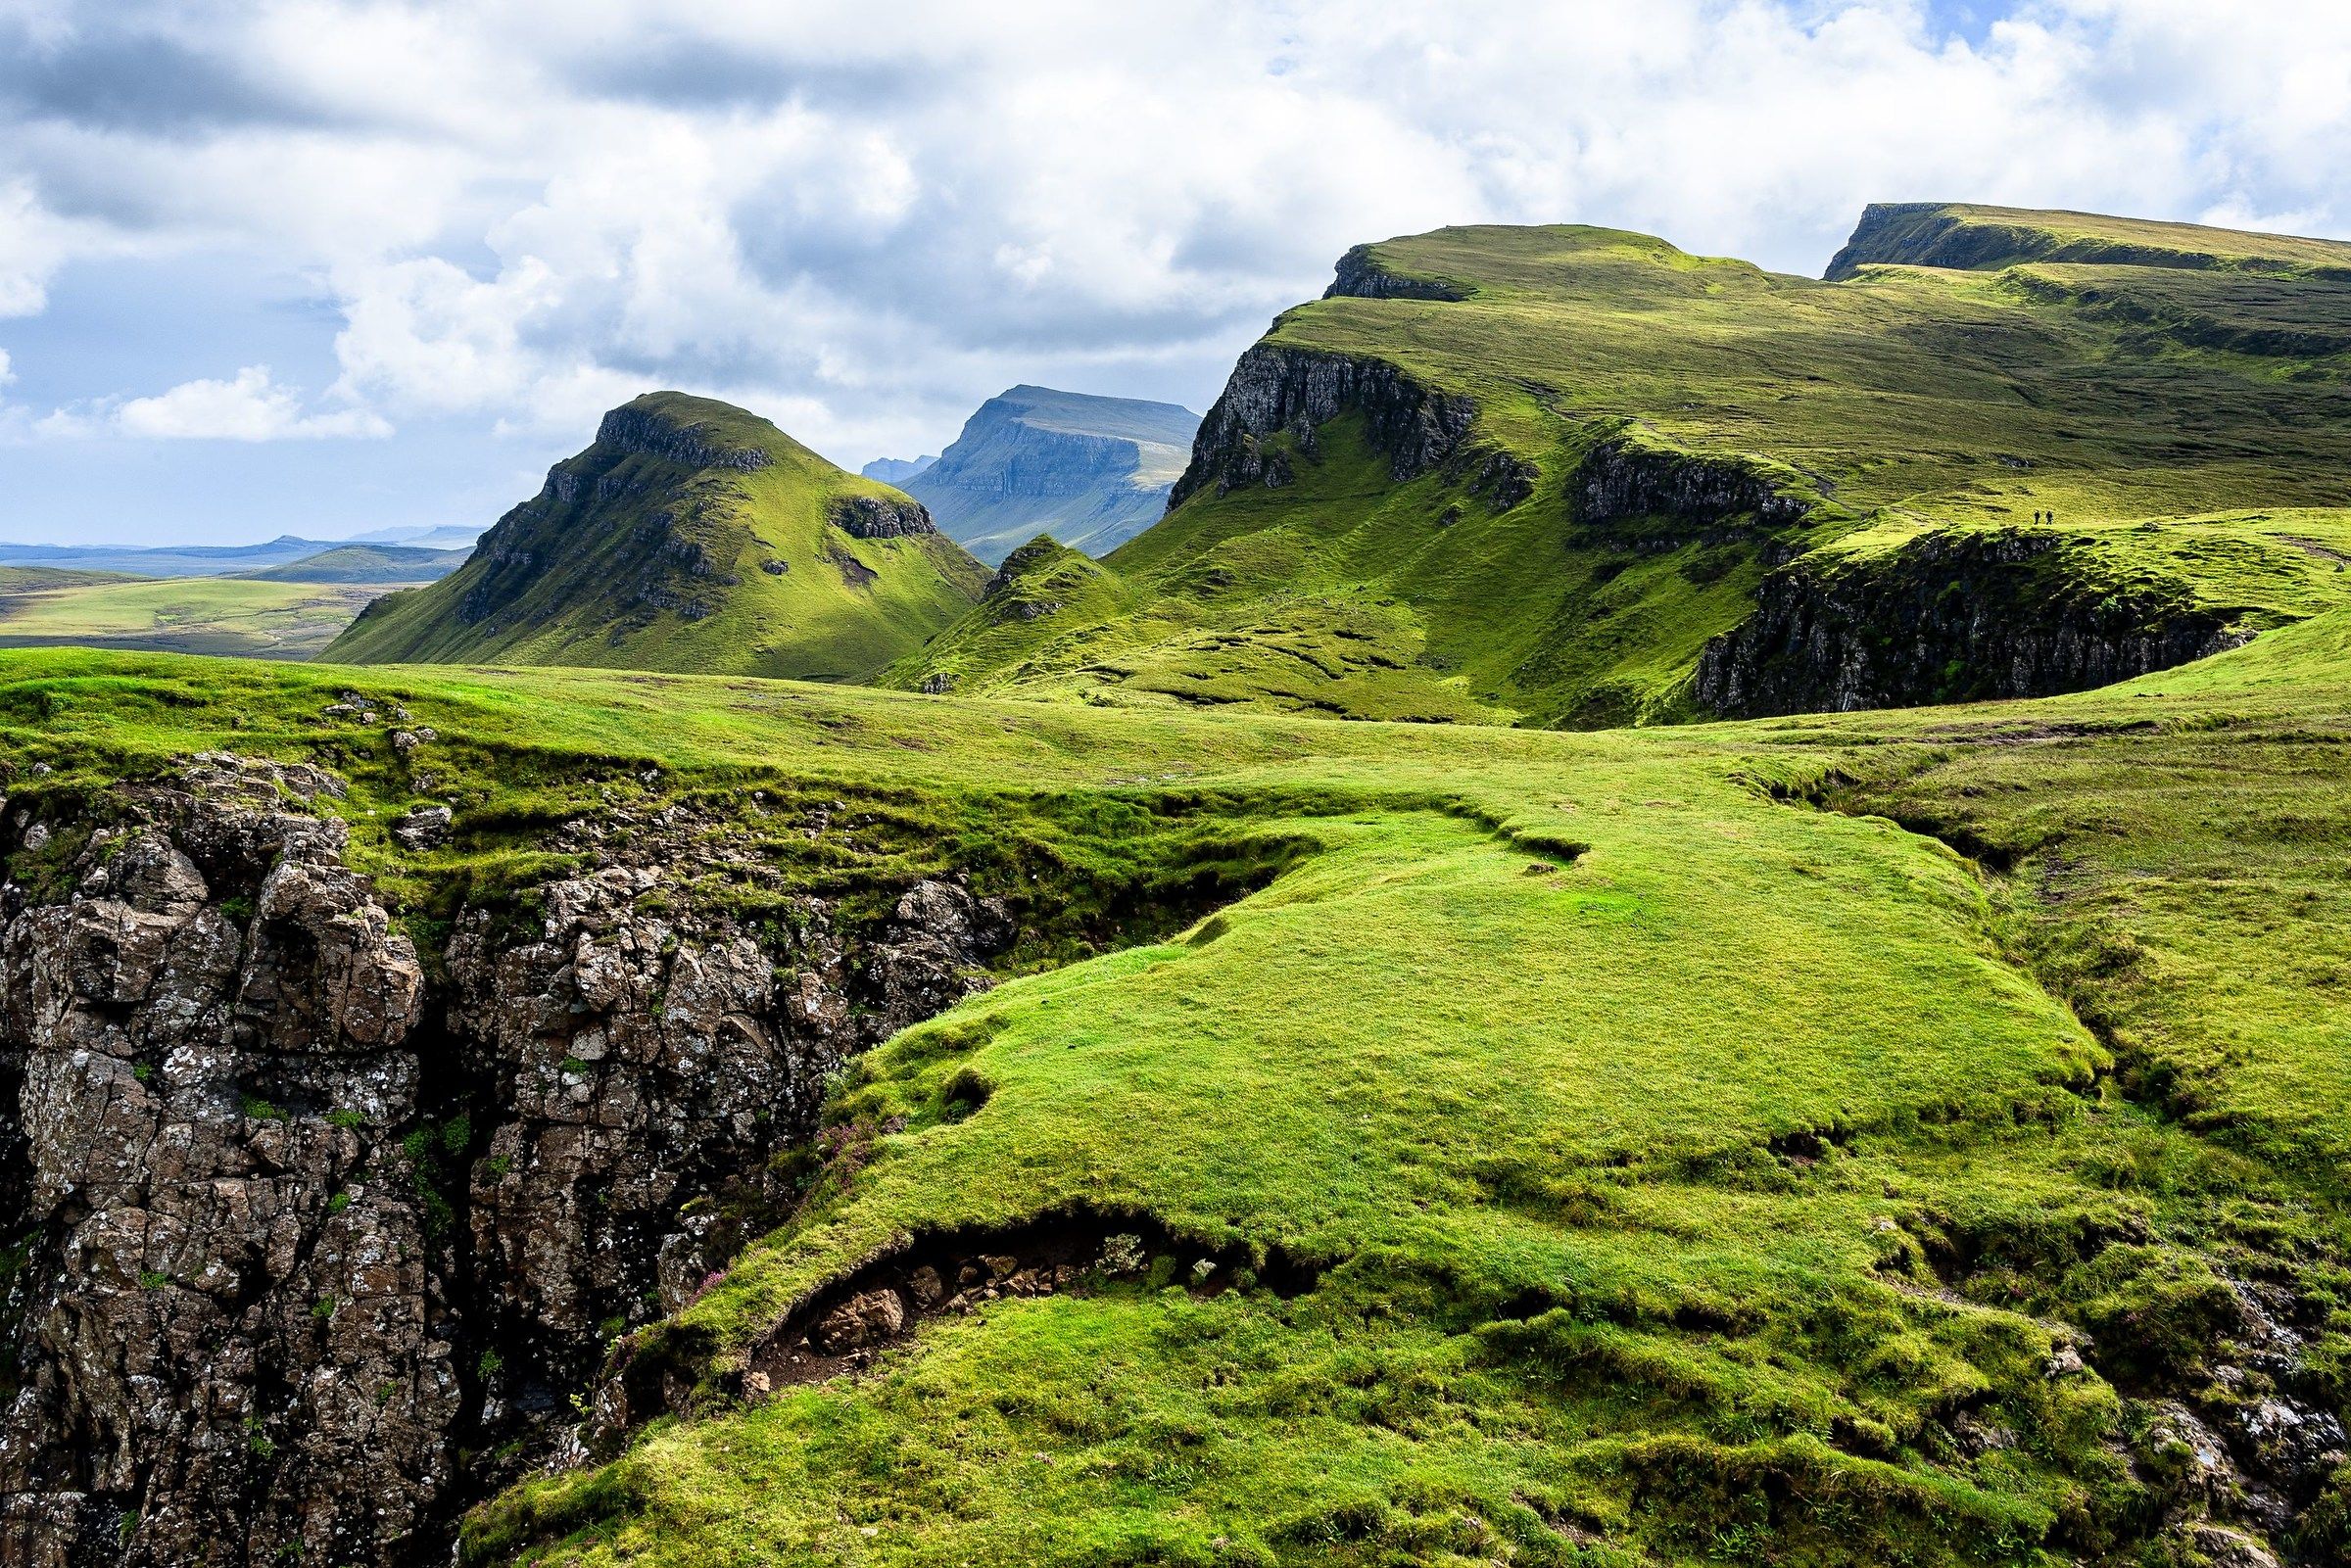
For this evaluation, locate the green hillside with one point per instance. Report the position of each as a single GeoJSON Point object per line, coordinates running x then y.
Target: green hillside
{"type": "Point", "coordinates": [1535, 473]}
{"type": "Point", "coordinates": [692, 536]}
{"type": "Point", "coordinates": [1762, 1221]}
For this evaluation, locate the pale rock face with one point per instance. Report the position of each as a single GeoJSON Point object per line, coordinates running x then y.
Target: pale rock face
{"type": "Point", "coordinates": [302, 1225]}
{"type": "Point", "coordinates": [1091, 472]}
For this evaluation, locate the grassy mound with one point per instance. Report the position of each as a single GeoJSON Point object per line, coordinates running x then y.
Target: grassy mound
{"type": "Point", "coordinates": [696, 536]}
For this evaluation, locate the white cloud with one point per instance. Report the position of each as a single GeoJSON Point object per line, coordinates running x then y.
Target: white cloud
{"type": "Point", "coordinates": [518, 207]}
{"type": "Point", "coordinates": [248, 408]}
{"type": "Point", "coordinates": [7, 371]}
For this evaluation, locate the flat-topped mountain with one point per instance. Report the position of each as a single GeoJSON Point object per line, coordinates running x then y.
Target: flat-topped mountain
{"type": "Point", "coordinates": [691, 535]}
{"type": "Point", "coordinates": [1091, 472]}
{"type": "Point", "coordinates": [897, 470]}
{"type": "Point", "coordinates": [1572, 475]}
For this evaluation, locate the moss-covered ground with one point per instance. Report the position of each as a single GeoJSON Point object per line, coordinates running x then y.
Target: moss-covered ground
{"type": "Point", "coordinates": [1669, 1149]}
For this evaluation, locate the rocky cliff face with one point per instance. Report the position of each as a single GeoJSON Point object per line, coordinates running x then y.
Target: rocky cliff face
{"type": "Point", "coordinates": [879, 517]}
{"type": "Point", "coordinates": [309, 1240]}
{"type": "Point", "coordinates": [643, 432]}
{"type": "Point", "coordinates": [1618, 481]}
{"type": "Point", "coordinates": [1361, 276]}
{"type": "Point", "coordinates": [1952, 617]}
{"type": "Point", "coordinates": [1276, 390]}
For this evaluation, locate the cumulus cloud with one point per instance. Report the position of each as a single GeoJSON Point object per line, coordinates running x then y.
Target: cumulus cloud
{"type": "Point", "coordinates": [522, 209]}
{"type": "Point", "coordinates": [250, 406]}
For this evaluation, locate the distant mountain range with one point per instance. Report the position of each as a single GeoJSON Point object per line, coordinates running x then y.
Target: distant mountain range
{"type": "Point", "coordinates": [897, 470]}
{"type": "Point", "coordinates": [231, 560]}
{"type": "Point", "coordinates": [1091, 472]}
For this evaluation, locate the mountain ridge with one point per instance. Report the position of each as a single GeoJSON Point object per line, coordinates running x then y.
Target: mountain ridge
{"type": "Point", "coordinates": [1570, 475]}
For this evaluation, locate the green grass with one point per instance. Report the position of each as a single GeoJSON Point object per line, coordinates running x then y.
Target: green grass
{"type": "Point", "coordinates": [1683, 1144]}
{"type": "Point", "coordinates": [248, 618]}
{"type": "Point", "coordinates": [661, 564]}
{"type": "Point", "coordinates": [2153, 407]}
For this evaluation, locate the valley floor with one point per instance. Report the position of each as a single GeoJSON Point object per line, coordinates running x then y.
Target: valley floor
{"type": "Point", "coordinates": [1631, 1147]}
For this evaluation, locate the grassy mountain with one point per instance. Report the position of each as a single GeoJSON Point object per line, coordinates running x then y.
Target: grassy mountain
{"type": "Point", "coordinates": [691, 535]}
{"type": "Point", "coordinates": [368, 563]}
{"type": "Point", "coordinates": [1091, 472]}
{"type": "Point", "coordinates": [1569, 475]}
{"type": "Point", "coordinates": [1819, 1196]}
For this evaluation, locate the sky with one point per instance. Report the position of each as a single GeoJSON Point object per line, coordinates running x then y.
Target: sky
{"type": "Point", "coordinates": [323, 266]}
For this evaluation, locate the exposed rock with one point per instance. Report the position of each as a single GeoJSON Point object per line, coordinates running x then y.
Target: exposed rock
{"type": "Point", "coordinates": [233, 1343]}
{"type": "Point", "coordinates": [1360, 275]}
{"type": "Point", "coordinates": [1952, 616]}
{"type": "Point", "coordinates": [1618, 480]}
{"type": "Point", "coordinates": [300, 1232]}
{"type": "Point", "coordinates": [425, 828]}
{"type": "Point", "coordinates": [651, 433]}
{"type": "Point", "coordinates": [1275, 389]}
{"type": "Point", "coordinates": [1089, 472]}
{"type": "Point", "coordinates": [878, 518]}
{"type": "Point", "coordinates": [861, 1320]}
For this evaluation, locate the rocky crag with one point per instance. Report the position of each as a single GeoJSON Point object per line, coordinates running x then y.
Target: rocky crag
{"type": "Point", "coordinates": [313, 1234]}
{"type": "Point", "coordinates": [1949, 617]}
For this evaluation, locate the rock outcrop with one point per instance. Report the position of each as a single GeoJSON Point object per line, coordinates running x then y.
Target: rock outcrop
{"type": "Point", "coordinates": [1949, 617]}
{"type": "Point", "coordinates": [1275, 390]}
{"type": "Point", "coordinates": [1361, 276]}
{"type": "Point", "coordinates": [1617, 481]}
{"type": "Point", "coordinates": [878, 518]}
{"type": "Point", "coordinates": [647, 432]}
{"type": "Point", "coordinates": [302, 1240]}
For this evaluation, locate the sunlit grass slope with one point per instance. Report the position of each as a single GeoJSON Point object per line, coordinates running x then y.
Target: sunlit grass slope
{"type": "Point", "coordinates": [2136, 380]}
{"type": "Point", "coordinates": [1690, 1162]}
{"type": "Point", "coordinates": [692, 536]}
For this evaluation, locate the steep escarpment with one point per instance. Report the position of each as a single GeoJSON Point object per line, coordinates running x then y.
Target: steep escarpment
{"type": "Point", "coordinates": [1091, 472]}
{"type": "Point", "coordinates": [1276, 390]}
{"type": "Point", "coordinates": [691, 535]}
{"type": "Point", "coordinates": [1962, 615]}
{"type": "Point", "coordinates": [313, 1234]}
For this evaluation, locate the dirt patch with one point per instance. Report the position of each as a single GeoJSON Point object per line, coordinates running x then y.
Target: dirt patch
{"type": "Point", "coordinates": [850, 1322]}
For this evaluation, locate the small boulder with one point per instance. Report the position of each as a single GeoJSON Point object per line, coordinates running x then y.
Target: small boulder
{"type": "Point", "coordinates": [926, 1287]}
{"type": "Point", "coordinates": [859, 1321]}
{"type": "Point", "coordinates": [425, 828]}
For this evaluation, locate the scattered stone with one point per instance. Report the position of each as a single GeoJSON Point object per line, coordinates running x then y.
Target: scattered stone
{"type": "Point", "coordinates": [425, 828]}
{"type": "Point", "coordinates": [2065, 1362]}
{"type": "Point", "coordinates": [926, 1287]}
{"type": "Point", "coordinates": [859, 1321]}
